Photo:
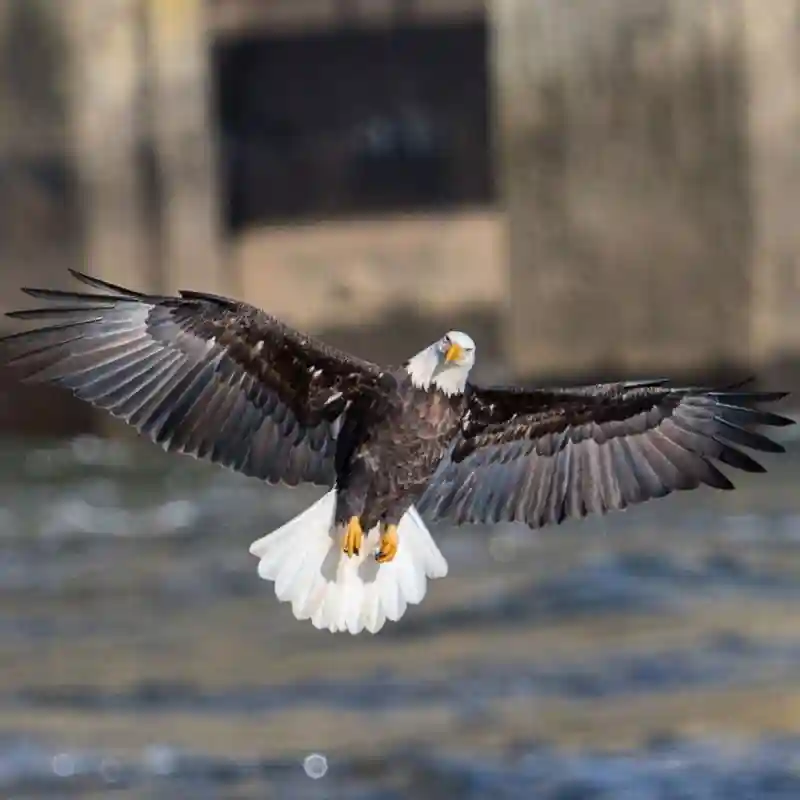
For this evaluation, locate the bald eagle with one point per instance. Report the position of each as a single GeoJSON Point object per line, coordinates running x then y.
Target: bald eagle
{"type": "Point", "coordinates": [226, 382]}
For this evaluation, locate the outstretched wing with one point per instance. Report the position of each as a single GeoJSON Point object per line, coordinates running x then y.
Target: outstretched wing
{"type": "Point", "coordinates": [542, 456]}
{"type": "Point", "coordinates": [199, 374]}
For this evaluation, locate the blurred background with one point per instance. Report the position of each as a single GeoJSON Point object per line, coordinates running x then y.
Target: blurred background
{"type": "Point", "coordinates": [593, 189]}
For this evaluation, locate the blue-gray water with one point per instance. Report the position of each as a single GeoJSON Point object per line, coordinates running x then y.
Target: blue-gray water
{"type": "Point", "coordinates": [651, 654]}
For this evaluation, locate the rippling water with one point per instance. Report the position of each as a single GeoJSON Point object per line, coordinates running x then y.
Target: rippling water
{"type": "Point", "coordinates": [651, 654]}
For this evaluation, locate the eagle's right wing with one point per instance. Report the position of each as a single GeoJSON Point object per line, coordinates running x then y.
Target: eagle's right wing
{"type": "Point", "coordinates": [541, 456]}
{"type": "Point", "coordinates": [199, 374]}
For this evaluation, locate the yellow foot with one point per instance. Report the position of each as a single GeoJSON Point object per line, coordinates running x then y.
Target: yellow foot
{"type": "Point", "coordinates": [352, 537]}
{"type": "Point", "coordinates": [388, 545]}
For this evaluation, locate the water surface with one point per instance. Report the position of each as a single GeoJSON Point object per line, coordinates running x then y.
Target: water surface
{"type": "Point", "coordinates": [649, 654]}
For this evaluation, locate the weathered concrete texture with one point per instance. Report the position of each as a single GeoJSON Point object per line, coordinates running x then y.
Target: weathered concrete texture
{"type": "Point", "coordinates": [772, 45]}
{"type": "Point", "coordinates": [109, 138]}
{"type": "Point", "coordinates": [232, 18]}
{"type": "Point", "coordinates": [636, 146]}
{"type": "Point", "coordinates": [40, 230]}
{"type": "Point", "coordinates": [340, 273]}
{"type": "Point", "coordinates": [649, 158]}
{"type": "Point", "coordinates": [142, 142]}
{"type": "Point", "coordinates": [106, 151]}
{"type": "Point", "coordinates": [184, 144]}
{"type": "Point", "coordinates": [39, 227]}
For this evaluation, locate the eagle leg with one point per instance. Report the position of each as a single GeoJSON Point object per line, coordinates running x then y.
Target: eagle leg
{"type": "Point", "coordinates": [389, 544]}
{"type": "Point", "coordinates": [352, 537]}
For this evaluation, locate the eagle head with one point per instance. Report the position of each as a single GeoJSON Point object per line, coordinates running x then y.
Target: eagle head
{"type": "Point", "coordinates": [443, 365]}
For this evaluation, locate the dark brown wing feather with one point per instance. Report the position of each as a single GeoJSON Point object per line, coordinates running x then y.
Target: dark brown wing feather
{"type": "Point", "coordinates": [199, 374]}
{"type": "Point", "coordinates": [543, 456]}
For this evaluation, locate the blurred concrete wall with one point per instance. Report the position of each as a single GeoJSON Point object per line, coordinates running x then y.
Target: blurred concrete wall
{"type": "Point", "coordinates": [648, 164]}
{"type": "Point", "coordinates": [40, 221]}
{"type": "Point", "coordinates": [143, 138]}
{"type": "Point", "coordinates": [106, 129]}
{"type": "Point", "coordinates": [106, 157]}
{"type": "Point", "coordinates": [649, 167]}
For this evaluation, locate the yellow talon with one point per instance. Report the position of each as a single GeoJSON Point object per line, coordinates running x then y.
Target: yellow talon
{"type": "Point", "coordinates": [352, 537]}
{"type": "Point", "coordinates": [388, 545]}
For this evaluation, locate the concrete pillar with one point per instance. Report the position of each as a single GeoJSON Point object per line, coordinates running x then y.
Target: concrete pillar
{"type": "Point", "coordinates": [39, 235]}
{"type": "Point", "coordinates": [109, 138]}
{"type": "Point", "coordinates": [773, 70]}
{"type": "Point", "coordinates": [623, 163]}
{"type": "Point", "coordinates": [184, 146]}
{"type": "Point", "coordinates": [143, 143]}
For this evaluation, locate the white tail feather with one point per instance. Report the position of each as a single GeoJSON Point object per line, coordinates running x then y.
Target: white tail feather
{"type": "Point", "coordinates": [305, 560]}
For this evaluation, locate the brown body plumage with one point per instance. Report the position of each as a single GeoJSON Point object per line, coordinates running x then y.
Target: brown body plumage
{"type": "Point", "coordinates": [395, 455]}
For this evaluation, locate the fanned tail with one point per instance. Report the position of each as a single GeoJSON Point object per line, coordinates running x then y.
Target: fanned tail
{"type": "Point", "coordinates": [304, 558]}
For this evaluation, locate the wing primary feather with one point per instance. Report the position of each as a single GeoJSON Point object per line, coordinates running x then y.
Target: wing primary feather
{"type": "Point", "coordinates": [736, 434]}
{"type": "Point", "coordinates": [737, 459]}
{"type": "Point", "coordinates": [98, 283]}
{"type": "Point", "coordinates": [55, 312]}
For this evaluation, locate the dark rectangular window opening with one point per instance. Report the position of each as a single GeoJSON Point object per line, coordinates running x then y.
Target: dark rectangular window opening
{"type": "Point", "coordinates": [353, 123]}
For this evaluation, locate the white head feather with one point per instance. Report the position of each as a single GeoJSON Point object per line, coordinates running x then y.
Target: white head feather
{"type": "Point", "coordinates": [444, 365]}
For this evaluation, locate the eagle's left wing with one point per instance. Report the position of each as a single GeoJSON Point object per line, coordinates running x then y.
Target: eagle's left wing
{"type": "Point", "coordinates": [199, 374]}
{"type": "Point", "coordinates": [541, 456]}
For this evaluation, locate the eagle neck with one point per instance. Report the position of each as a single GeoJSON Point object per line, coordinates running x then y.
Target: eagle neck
{"type": "Point", "coordinates": [428, 371]}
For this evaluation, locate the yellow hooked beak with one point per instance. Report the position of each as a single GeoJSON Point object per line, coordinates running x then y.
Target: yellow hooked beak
{"type": "Point", "coordinates": [454, 353]}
